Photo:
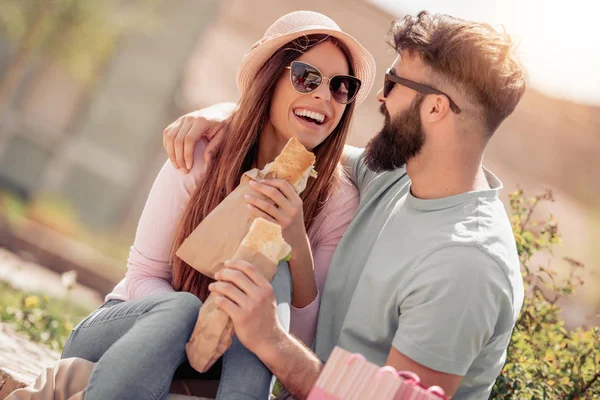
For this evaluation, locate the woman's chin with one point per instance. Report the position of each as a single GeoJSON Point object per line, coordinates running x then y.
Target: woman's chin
{"type": "Point", "coordinates": [308, 141]}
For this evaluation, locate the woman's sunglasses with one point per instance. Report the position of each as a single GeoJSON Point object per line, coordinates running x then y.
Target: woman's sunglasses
{"type": "Point", "coordinates": [306, 79]}
{"type": "Point", "coordinates": [391, 79]}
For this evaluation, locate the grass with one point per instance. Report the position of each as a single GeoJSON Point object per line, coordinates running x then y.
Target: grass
{"type": "Point", "coordinates": [41, 318]}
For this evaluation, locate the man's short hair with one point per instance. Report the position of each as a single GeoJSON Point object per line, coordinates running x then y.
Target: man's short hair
{"type": "Point", "coordinates": [471, 57]}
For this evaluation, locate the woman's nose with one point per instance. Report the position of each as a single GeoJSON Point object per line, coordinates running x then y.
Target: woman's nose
{"type": "Point", "coordinates": [322, 92]}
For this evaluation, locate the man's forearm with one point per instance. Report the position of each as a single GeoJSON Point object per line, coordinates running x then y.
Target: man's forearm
{"type": "Point", "coordinates": [293, 364]}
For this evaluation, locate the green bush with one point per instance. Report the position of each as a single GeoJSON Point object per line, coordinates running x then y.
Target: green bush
{"type": "Point", "coordinates": [545, 360]}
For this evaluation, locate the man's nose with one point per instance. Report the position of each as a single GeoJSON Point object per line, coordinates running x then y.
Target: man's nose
{"type": "Point", "coordinates": [380, 97]}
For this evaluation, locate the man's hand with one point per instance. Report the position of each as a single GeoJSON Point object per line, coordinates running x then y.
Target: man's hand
{"type": "Point", "coordinates": [181, 136]}
{"type": "Point", "coordinates": [247, 297]}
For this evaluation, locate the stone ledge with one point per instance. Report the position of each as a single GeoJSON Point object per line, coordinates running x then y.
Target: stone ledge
{"type": "Point", "coordinates": [60, 253]}
{"type": "Point", "coordinates": [21, 361]}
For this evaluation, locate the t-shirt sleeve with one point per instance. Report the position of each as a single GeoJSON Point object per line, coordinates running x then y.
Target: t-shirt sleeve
{"type": "Point", "coordinates": [450, 307]}
{"type": "Point", "coordinates": [355, 167]}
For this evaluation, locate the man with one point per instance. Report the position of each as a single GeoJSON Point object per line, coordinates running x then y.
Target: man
{"type": "Point", "coordinates": [427, 277]}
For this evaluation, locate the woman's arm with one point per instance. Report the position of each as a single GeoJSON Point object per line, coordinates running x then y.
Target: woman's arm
{"type": "Point", "coordinates": [302, 270]}
{"type": "Point", "coordinates": [148, 268]}
{"type": "Point", "coordinates": [283, 206]}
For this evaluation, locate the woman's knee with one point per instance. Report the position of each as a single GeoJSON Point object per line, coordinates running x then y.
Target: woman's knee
{"type": "Point", "coordinates": [182, 311]}
{"type": "Point", "coordinates": [187, 303]}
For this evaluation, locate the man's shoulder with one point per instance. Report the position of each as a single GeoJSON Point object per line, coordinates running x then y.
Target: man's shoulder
{"type": "Point", "coordinates": [386, 185]}
{"type": "Point", "coordinates": [494, 265]}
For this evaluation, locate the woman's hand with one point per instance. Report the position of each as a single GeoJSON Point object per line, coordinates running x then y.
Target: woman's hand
{"type": "Point", "coordinates": [282, 206]}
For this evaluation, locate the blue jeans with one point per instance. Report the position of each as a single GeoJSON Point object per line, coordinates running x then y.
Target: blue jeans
{"type": "Point", "coordinates": [138, 345]}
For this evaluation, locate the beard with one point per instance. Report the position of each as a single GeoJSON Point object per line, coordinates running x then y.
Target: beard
{"type": "Point", "coordinates": [400, 139]}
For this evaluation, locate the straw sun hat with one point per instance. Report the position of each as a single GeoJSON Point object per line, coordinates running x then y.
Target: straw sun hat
{"type": "Point", "coordinates": [297, 24]}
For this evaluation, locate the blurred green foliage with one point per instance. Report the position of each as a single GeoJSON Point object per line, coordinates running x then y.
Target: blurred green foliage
{"type": "Point", "coordinates": [545, 361]}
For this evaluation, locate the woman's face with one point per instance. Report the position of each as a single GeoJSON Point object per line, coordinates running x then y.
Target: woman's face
{"type": "Point", "coordinates": [287, 115]}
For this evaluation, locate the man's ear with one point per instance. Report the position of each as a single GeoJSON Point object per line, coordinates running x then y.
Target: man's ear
{"type": "Point", "coordinates": [437, 108]}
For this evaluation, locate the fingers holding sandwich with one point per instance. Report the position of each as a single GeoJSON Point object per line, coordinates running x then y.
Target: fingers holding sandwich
{"type": "Point", "coordinates": [248, 299]}
{"type": "Point", "coordinates": [282, 206]}
{"type": "Point", "coordinates": [256, 206]}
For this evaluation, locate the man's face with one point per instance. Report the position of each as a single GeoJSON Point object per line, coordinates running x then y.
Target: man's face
{"type": "Point", "coordinates": [402, 136]}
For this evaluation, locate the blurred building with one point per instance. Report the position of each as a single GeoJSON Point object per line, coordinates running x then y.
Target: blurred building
{"type": "Point", "coordinates": [97, 148]}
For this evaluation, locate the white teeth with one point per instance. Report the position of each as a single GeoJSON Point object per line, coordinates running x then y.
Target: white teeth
{"type": "Point", "coordinates": [310, 114]}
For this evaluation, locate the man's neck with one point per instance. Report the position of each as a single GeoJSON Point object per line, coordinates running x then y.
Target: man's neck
{"type": "Point", "coordinates": [449, 175]}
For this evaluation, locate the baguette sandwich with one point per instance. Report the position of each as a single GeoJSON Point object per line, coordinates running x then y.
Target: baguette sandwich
{"type": "Point", "coordinates": [294, 164]}
{"type": "Point", "coordinates": [263, 246]}
{"type": "Point", "coordinates": [220, 234]}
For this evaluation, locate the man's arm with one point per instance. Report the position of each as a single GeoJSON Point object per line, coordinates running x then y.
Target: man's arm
{"type": "Point", "coordinates": [247, 297]}
{"type": "Point", "coordinates": [293, 364]}
{"type": "Point", "coordinates": [457, 299]}
{"type": "Point", "coordinates": [428, 376]}
{"type": "Point", "coordinates": [181, 136]}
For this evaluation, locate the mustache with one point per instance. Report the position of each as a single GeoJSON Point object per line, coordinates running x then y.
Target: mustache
{"type": "Point", "coordinates": [386, 114]}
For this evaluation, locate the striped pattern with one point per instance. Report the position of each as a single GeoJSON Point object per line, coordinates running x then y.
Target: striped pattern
{"type": "Point", "coordinates": [348, 376]}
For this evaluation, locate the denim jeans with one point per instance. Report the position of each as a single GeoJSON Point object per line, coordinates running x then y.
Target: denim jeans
{"type": "Point", "coordinates": [138, 346]}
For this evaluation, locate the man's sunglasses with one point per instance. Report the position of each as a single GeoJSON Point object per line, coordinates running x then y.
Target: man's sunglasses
{"type": "Point", "coordinates": [391, 79]}
{"type": "Point", "coordinates": [306, 79]}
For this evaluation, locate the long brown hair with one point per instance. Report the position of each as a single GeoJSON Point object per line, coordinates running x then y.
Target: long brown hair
{"type": "Point", "coordinates": [238, 153]}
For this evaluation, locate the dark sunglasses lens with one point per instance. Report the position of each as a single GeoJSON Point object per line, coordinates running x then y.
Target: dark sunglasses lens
{"type": "Point", "coordinates": [344, 88]}
{"type": "Point", "coordinates": [305, 78]}
{"type": "Point", "coordinates": [387, 87]}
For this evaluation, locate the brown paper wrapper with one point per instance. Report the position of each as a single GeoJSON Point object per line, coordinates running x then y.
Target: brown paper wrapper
{"type": "Point", "coordinates": [214, 329]}
{"type": "Point", "coordinates": [216, 239]}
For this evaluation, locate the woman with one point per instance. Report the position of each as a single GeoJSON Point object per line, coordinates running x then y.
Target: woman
{"type": "Point", "coordinates": [302, 79]}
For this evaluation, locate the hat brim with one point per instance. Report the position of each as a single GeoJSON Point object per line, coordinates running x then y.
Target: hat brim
{"type": "Point", "coordinates": [363, 62]}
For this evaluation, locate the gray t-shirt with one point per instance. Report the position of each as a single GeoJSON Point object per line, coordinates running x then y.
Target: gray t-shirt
{"type": "Point", "coordinates": [439, 280]}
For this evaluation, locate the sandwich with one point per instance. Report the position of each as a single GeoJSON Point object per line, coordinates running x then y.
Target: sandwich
{"type": "Point", "coordinates": [263, 246]}
{"type": "Point", "coordinates": [264, 239]}
{"type": "Point", "coordinates": [294, 164]}
{"type": "Point", "coordinates": [220, 234]}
